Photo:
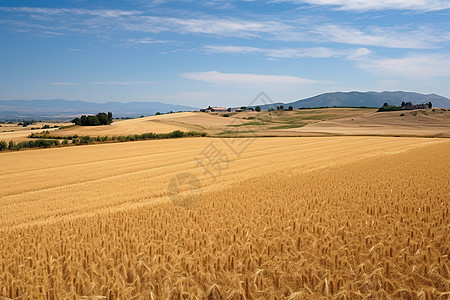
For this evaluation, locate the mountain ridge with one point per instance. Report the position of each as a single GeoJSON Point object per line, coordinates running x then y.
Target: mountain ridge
{"type": "Point", "coordinates": [62, 109]}
{"type": "Point", "coordinates": [67, 109]}
{"type": "Point", "coordinates": [369, 99]}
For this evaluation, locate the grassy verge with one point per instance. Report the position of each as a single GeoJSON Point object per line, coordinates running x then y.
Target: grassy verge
{"type": "Point", "coordinates": [248, 124]}
{"type": "Point", "coordinates": [287, 126]}
{"type": "Point", "coordinates": [231, 132]}
{"type": "Point", "coordinates": [66, 126]}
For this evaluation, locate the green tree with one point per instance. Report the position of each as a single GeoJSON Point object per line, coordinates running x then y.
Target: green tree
{"type": "Point", "coordinates": [99, 119]}
{"type": "Point", "coordinates": [83, 120]}
{"type": "Point", "coordinates": [290, 108]}
{"type": "Point", "coordinates": [430, 105]}
{"type": "Point", "coordinates": [93, 121]}
{"type": "Point", "coordinates": [3, 146]}
{"type": "Point", "coordinates": [258, 109]}
{"type": "Point", "coordinates": [103, 119]}
{"type": "Point", "coordinates": [110, 117]}
{"type": "Point", "coordinates": [11, 145]}
{"type": "Point", "coordinates": [77, 121]}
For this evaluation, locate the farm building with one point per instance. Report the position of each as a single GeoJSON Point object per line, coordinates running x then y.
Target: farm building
{"type": "Point", "coordinates": [409, 105]}
{"type": "Point", "coordinates": [216, 109]}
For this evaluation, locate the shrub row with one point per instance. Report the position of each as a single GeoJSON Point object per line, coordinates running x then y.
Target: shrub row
{"type": "Point", "coordinates": [133, 137]}
{"type": "Point", "coordinates": [46, 141]}
{"type": "Point", "coordinates": [28, 144]}
{"type": "Point", "coordinates": [46, 135]}
{"type": "Point", "coordinates": [121, 138]}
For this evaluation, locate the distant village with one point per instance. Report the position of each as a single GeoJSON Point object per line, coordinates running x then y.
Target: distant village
{"type": "Point", "coordinates": [385, 107]}
{"type": "Point", "coordinates": [405, 106]}
{"type": "Point", "coordinates": [215, 109]}
{"type": "Point", "coordinates": [223, 109]}
{"type": "Point", "coordinates": [409, 105]}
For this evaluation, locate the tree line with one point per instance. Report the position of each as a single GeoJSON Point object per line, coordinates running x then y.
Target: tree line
{"type": "Point", "coordinates": [97, 120]}
{"type": "Point", "coordinates": [403, 106]}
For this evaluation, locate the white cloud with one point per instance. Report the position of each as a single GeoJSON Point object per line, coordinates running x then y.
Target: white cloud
{"type": "Point", "coordinates": [106, 83]}
{"type": "Point", "coordinates": [210, 25]}
{"type": "Point", "coordinates": [318, 52]}
{"type": "Point", "coordinates": [105, 23]}
{"type": "Point", "coordinates": [122, 82]}
{"type": "Point", "coordinates": [111, 13]}
{"type": "Point", "coordinates": [64, 83]}
{"type": "Point", "coordinates": [358, 54]}
{"type": "Point", "coordinates": [275, 53]}
{"type": "Point", "coordinates": [243, 78]}
{"type": "Point", "coordinates": [233, 49]}
{"type": "Point", "coordinates": [421, 38]}
{"type": "Point", "coordinates": [413, 66]}
{"type": "Point", "coordinates": [102, 20]}
{"type": "Point", "coordinates": [367, 5]}
{"type": "Point", "coordinates": [315, 52]}
{"type": "Point", "coordinates": [146, 41]}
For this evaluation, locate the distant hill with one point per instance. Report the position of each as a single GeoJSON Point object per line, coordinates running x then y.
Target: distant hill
{"type": "Point", "coordinates": [59, 109]}
{"type": "Point", "coordinates": [369, 99]}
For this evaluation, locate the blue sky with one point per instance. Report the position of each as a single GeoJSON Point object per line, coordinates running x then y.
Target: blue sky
{"type": "Point", "coordinates": [218, 52]}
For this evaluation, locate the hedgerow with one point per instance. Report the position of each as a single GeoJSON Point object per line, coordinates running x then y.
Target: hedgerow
{"type": "Point", "coordinates": [45, 140]}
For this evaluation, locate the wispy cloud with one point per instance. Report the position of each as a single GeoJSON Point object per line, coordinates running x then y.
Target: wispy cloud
{"type": "Point", "coordinates": [368, 5]}
{"type": "Point", "coordinates": [412, 66]}
{"type": "Point", "coordinates": [105, 83]}
{"type": "Point", "coordinates": [244, 78]}
{"type": "Point", "coordinates": [314, 52]}
{"type": "Point", "coordinates": [228, 26]}
{"type": "Point", "coordinates": [358, 54]}
{"type": "Point", "coordinates": [106, 22]}
{"type": "Point", "coordinates": [420, 38]}
{"type": "Point", "coordinates": [111, 13]}
{"type": "Point", "coordinates": [64, 83]}
{"type": "Point", "coordinates": [146, 41]}
{"type": "Point", "coordinates": [122, 82]}
{"type": "Point", "coordinates": [97, 21]}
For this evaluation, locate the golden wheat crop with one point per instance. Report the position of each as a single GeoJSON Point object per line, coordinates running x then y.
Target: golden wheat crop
{"type": "Point", "coordinates": [297, 218]}
{"type": "Point", "coordinates": [124, 127]}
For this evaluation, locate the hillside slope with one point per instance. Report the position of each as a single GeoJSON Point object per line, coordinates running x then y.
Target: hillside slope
{"type": "Point", "coordinates": [407, 123]}
{"type": "Point", "coordinates": [369, 99]}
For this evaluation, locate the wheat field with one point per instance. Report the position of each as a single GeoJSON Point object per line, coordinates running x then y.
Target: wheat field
{"type": "Point", "coordinates": [123, 127]}
{"type": "Point", "coordinates": [282, 218]}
